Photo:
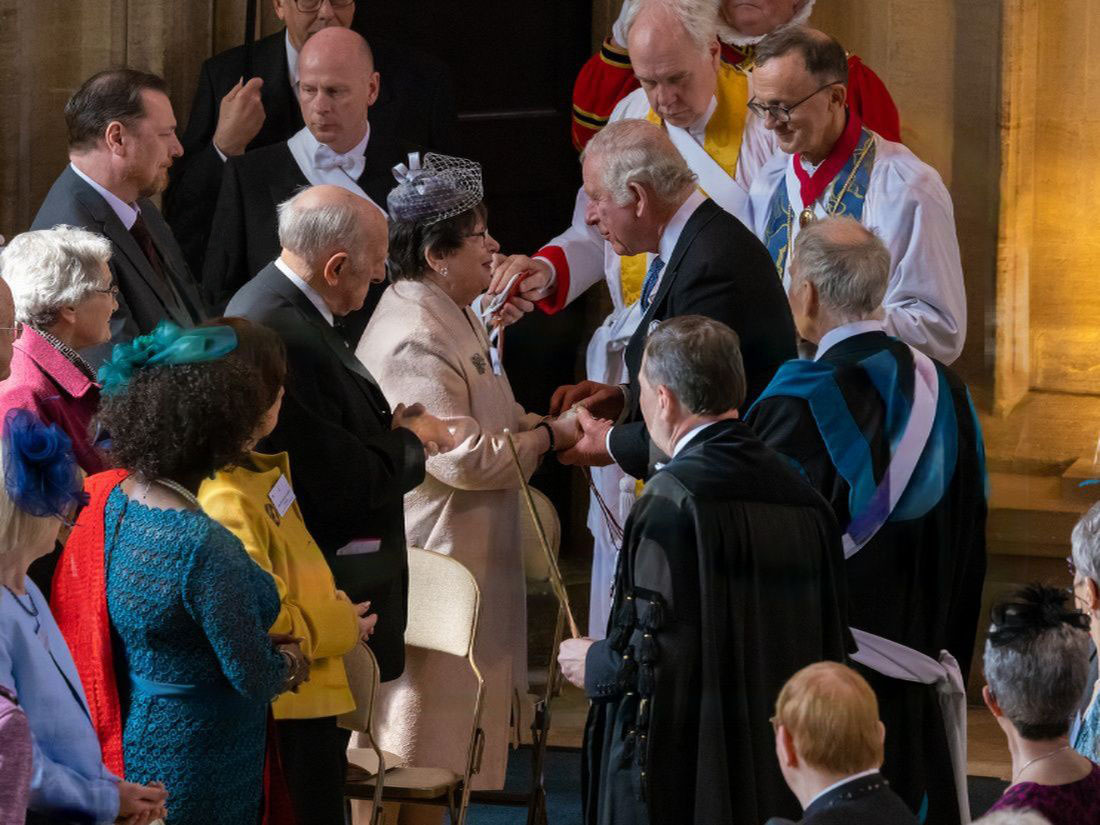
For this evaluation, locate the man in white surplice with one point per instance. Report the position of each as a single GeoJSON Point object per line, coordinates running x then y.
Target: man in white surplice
{"type": "Point", "coordinates": [700, 102]}
{"type": "Point", "coordinates": [830, 164]}
{"type": "Point", "coordinates": [337, 86]}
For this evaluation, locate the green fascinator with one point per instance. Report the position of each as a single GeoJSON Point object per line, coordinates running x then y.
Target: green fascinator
{"type": "Point", "coordinates": [167, 345]}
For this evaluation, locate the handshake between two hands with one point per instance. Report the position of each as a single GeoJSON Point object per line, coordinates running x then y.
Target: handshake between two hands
{"type": "Point", "coordinates": [580, 416]}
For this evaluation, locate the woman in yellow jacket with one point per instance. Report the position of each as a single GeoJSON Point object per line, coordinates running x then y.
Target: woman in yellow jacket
{"type": "Point", "coordinates": [255, 501]}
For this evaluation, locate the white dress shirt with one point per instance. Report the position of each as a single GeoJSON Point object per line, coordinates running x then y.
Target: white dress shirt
{"type": "Point", "coordinates": [308, 153]}
{"type": "Point", "coordinates": [844, 332]}
{"type": "Point", "coordinates": [127, 213]}
{"type": "Point", "coordinates": [311, 293]}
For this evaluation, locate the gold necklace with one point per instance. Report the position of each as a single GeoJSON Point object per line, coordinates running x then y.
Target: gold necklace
{"type": "Point", "coordinates": [1031, 762]}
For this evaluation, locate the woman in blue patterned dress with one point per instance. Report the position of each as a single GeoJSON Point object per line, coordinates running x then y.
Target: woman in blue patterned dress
{"type": "Point", "coordinates": [191, 608]}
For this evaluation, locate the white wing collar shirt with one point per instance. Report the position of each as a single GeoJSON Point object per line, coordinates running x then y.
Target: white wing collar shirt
{"type": "Point", "coordinates": [321, 165]}
{"type": "Point", "coordinates": [909, 208]}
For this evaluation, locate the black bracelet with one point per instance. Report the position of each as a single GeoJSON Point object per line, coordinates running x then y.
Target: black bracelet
{"type": "Point", "coordinates": [549, 432]}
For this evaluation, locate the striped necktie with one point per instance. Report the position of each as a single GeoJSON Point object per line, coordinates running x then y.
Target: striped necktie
{"type": "Point", "coordinates": [649, 285]}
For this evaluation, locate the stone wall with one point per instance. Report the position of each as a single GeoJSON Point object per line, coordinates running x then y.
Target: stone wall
{"type": "Point", "coordinates": [51, 46]}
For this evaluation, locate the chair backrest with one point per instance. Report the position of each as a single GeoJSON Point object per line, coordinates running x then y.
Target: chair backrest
{"type": "Point", "coordinates": [362, 669]}
{"type": "Point", "coordinates": [443, 603]}
{"type": "Point", "coordinates": [535, 565]}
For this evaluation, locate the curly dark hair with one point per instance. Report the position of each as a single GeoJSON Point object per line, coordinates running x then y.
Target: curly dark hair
{"type": "Point", "coordinates": [411, 240]}
{"type": "Point", "coordinates": [260, 348]}
{"type": "Point", "coordinates": [183, 422]}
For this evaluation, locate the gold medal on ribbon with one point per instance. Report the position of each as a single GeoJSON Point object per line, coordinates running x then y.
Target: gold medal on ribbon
{"type": "Point", "coordinates": [806, 217]}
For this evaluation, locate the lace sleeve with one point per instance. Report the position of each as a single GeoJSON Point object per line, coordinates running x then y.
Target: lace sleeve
{"type": "Point", "coordinates": [235, 602]}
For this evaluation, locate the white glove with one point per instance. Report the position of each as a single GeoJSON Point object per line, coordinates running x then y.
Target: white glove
{"type": "Point", "coordinates": [571, 656]}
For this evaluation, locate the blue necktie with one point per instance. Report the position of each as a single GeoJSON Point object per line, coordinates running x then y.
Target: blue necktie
{"type": "Point", "coordinates": [650, 282]}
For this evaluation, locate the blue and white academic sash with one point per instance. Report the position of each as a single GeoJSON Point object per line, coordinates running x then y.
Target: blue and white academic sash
{"type": "Point", "coordinates": [915, 480]}
{"type": "Point", "coordinates": [845, 196]}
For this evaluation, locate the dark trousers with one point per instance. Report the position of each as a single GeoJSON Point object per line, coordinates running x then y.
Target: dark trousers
{"type": "Point", "coordinates": [314, 757]}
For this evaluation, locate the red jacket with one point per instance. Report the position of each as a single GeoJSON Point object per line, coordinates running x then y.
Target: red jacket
{"type": "Point", "coordinates": [51, 386]}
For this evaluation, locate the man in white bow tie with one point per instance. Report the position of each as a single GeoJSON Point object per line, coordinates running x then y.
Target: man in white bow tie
{"type": "Point", "coordinates": [337, 85]}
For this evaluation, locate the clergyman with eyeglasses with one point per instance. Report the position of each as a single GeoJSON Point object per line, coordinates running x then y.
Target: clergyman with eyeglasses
{"type": "Point", "coordinates": [830, 163]}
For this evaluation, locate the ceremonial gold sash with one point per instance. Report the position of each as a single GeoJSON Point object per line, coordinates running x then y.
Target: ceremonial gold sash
{"type": "Point", "coordinates": [721, 140]}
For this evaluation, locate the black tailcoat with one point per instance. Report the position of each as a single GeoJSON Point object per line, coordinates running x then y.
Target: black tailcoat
{"type": "Point", "coordinates": [415, 103]}
{"type": "Point", "coordinates": [351, 469]}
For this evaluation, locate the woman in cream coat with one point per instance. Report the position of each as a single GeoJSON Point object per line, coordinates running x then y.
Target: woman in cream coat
{"type": "Point", "coordinates": [424, 341]}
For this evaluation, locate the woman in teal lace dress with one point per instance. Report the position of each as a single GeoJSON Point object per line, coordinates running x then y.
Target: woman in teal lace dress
{"type": "Point", "coordinates": [1085, 568]}
{"type": "Point", "coordinates": [191, 608]}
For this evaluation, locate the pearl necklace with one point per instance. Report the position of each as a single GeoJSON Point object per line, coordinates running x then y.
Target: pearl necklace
{"type": "Point", "coordinates": [182, 491]}
{"type": "Point", "coordinates": [1031, 762]}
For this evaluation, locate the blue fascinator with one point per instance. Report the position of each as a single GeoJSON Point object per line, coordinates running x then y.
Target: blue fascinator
{"type": "Point", "coordinates": [167, 345]}
{"type": "Point", "coordinates": [40, 471]}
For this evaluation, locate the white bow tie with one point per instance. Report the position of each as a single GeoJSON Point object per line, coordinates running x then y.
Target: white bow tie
{"type": "Point", "coordinates": [326, 159]}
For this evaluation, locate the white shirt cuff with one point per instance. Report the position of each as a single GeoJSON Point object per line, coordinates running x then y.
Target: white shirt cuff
{"type": "Point", "coordinates": [221, 154]}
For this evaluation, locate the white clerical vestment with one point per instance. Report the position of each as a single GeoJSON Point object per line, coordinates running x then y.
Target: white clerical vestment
{"type": "Point", "coordinates": [909, 208]}
{"type": "Point", "coordinates": [588, 258]}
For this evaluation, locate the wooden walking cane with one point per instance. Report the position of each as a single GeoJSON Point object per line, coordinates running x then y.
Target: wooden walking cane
{"type": "Point", "coordinates": [556, 583]}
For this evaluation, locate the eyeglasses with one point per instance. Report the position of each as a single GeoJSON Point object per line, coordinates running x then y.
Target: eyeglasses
{"type": "Point", "coordinates": [14, 332]}
{"type": "Point", "coordinates": [314, 5]}
{"type": "Point", "coordinates": [111, 290]}
{"type": "Point", "coordinates": [780, 111]}
{"type": "Point", "coordinates": [483, 234]}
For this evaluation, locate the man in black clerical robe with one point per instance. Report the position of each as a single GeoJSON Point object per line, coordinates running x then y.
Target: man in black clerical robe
{"type": "Point", "coordinates": [729, 581]}
{"type": "Point", "coordinates": [891, 439]}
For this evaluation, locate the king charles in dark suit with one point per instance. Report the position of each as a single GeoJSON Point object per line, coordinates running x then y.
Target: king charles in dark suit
{"type": "Point", "coordinates": [246, 97]}
{"type": "Point", "coordinates": [339, 146]}
{"type": "Point", "coordinates": [707, 264]}
{"type": "Point", "coordinates": [120, 152]}
{"type": "Point", "coordinates": [353, 458]}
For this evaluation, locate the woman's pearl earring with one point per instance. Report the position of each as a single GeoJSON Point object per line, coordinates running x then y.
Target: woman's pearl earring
{"type": "Point", "coordinates": [443, 272]}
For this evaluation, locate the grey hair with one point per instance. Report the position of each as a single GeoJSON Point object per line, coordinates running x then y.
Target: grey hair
{"type": "Point", "coordinates": [698, 17]}
{"type": "Point", "coordinates": [639, 152]}
{"type": "Point", "coordinates": [848, 263]}
{"type": "Point", "coordinates": [48, 269]}
{"type": "Point", "coordinates": [1085, 541]}
{"type": "Point", "coordinates": [699, 360]}
{"type": "Point", "coordinates": [315, 232]}
{"type": "Point", "coordinates": [1013, 817]}
{"type": "Point", "coordinates": [1038, 678]}
{"type": "Point", "coordinates": [19, 530]}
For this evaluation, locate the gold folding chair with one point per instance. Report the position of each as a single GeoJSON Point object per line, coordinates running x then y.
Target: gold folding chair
{"type": "Point", "coordinates": [444, 601]}
{"type": "Point", "coordinates": [362, 670]}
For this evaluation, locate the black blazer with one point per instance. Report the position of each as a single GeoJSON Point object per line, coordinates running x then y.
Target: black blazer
{"type": "Point", "coordinates": [351, 470]}
{"type": "Point", "coordinates": [721, 270]}
{"type": "Point", "coordinates": [415, 103]}
{"type": "Point", "coordinates": [143, 298]}
{"type": "Point", "coordinates": [864, 801]}
{"type": "Point", "coordinates": [255, 183]}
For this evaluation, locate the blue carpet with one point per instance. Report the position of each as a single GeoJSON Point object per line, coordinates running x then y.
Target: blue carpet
{"type": "Point", "coordinates": [563, 789]}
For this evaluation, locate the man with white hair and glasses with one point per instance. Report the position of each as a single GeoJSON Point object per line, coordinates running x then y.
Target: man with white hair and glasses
{"type": "Point", "coordinates": [832, 163]}
{"type": "Point", "coordinates": [890, 438]}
